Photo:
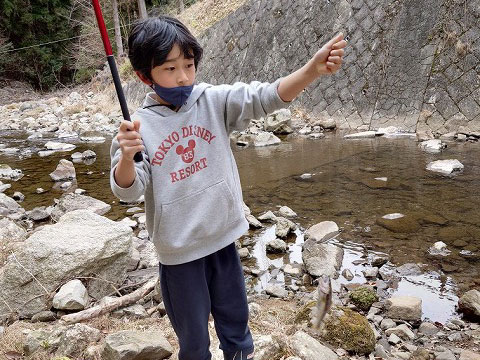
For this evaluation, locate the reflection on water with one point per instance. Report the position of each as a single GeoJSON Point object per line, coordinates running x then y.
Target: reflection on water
{"type": "Point", "coordinates": [353, 183]}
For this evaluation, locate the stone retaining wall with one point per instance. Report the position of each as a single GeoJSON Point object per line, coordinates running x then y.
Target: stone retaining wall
{"type": "Point", "coordinates": [413, 64]}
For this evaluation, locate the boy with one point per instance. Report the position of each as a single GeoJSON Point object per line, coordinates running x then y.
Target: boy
{"type": "Point", "coordinates": [193, 198]}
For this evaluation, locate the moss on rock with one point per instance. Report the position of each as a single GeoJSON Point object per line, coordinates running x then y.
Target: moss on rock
{"type": "Point", "coordinates": [363, 298]}
{"type": "Point", "coordinates": [349, 330]}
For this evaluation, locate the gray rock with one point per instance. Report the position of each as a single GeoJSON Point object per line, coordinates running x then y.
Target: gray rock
{"type": "Point", "coordinates": [268, 216]}
{"type": "Point", "coordinates": [58, 146]}
{"type": "Point", "coordinates": [402, 331]}
{"type": "Point", "coordinates": [265, 139]}
{"type": "Point", "coordinates": [276, 291]}
{"type": "Point", "coordinates": [7, 173]}
{"type": "Point", "coordinates": [44, 316]}
{"type": "Point", "coordinates": [76, 338]}
{"type": "Point", "coordinates": [276, 246]}
{"type": "Point", "coordinates": [432, 146]}
{"type": "Point", "coordinates": [64, 171]}
{"type": "Point", "coordinates": [11, 232]}
{"type": "Point", "coordinates": [285, 211]}
{"type": "Point", "coordinates": [394, 339]}
{"type": "Point", "coordinates": [380, 352]}
{"type": "Point", "coordinates": [283, 227]}
{"type": "Point", "coordinates": [322, 259]}
{"type": "Point", "coordinates": [266, 347]}
{"type": "Point", "coordinates": [361, 135]}
{"type": "Point", "coordinates": [347, 274]}
{"type": "Point", "coordinates": [253, 222]}
{"type": "Point", "coordinates": [71, 296]}
{"type": "Point", "coordinates": [38, 214]}
{"type": "Point", "coordinates": [407, 308]}
{"type": "Point", "coordinates": [387, 324]}
{"type": "Point", "coordinates": [445, 167]}
{"type": "Point", "coordinates": [322, 231]}
{"type": "Point", "coordinates": [379, 260]}
{"type": "Point", "coordinates": [469, 304]}
{"type": "Point", "coordinates": [370, 273]}
{"type": "Point", "coordinates": [243, 253]}
{"type": "Point", "coordinates": [138, 345]}
{"type": "Point", "coordinates": [445, 355]}
{"type": "Point", "coordinates": [100, 246]}
{"type": "Point", "coordinates": [18, 196]}
{"type": "Point", "coordinates": [279, 122]}
{"type": "Point", "coordinates": [89, 154]}
{"type": "Point", "coordinates": [307, 348]}
{"type": "Point", "coordinates": [71, 202]}
{"type": "Point", "coordinates": [8, 205]}
{"type": "Point", "coordinates": [292, 270]}
{"type": "Point", "coordinates": [134, 311]}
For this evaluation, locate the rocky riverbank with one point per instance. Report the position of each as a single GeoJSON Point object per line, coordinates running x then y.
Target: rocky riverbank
{"type": "Point", "coordinates": [60, 259]}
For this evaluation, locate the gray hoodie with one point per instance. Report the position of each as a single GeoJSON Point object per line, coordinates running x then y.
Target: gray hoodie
{"type": "Point", "coordinates": [193, 197]}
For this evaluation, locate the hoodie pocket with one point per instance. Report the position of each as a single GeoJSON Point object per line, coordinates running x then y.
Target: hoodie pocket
{"type": "Point", "coordinates": [196, 217]}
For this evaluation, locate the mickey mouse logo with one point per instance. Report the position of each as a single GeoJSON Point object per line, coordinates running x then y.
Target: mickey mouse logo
{"type": "Point", "coordinates": [187, 153]}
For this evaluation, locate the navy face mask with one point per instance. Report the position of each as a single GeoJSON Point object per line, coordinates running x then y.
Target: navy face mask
{"type": "Point", "coordinates": [177, 95]}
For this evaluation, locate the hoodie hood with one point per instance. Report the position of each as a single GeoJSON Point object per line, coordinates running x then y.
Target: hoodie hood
{"type": "Point", "coordinates": [149, 104]}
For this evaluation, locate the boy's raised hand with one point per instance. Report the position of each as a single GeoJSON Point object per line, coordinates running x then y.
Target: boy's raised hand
{"type": "Point", "coordinates": [329, 58]}
{"type": "Point", "coordinates": [129, 139]}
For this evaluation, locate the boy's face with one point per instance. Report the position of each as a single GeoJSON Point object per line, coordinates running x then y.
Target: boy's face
{"type": "Point", "coordinates": [175, 71]}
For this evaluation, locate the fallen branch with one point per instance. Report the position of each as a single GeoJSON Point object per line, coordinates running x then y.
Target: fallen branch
{"type": "Point", "coordinates": [114, 304]}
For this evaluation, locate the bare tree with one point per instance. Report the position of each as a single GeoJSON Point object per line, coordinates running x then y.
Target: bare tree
{"type": "Point", "coordinates": [142, 9]}
{"type": "Point", "coordinates": [116, 24]}
{"type": "Point", "coordinates": [180, 6]}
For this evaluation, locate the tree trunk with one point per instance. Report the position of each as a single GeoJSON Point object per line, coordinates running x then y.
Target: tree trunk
{"type": "Point", "coordinates": [180, 6]}
{"type": "Point", "coordinates": [142, 9]}
{"type": "Point", "coordinates": [118, 33]}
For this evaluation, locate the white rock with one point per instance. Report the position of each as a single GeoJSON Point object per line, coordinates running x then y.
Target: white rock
{"type": "Point", "coordinates": [71, 296]}
{"type": "Point", "coordinates": [322, 231]}
{"type": "Point", "coordinates": [393, 216]}
{"type": "Point", "coordinates": [307, 348]}
{"type": "Point", "coordinates": [432, 146]}
{"type": "Point", "coordinates": [287, 212]}
{"type": "Point", "coordinates": [361, 135]}
{"type": "Point", "coordinates": [92, 139]}
{"type": "Point", "coordinates": [445, 167]}
{"type": "Point", "coordinates": [404, 308]}
{"type": "Point", "coordinates": [265, 139]}
{"type": "Point", "coordinates": [268, 216]}
{"type": "Point", "coordinates": [58, 146]}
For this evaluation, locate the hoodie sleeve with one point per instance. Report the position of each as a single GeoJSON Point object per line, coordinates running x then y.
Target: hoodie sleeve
{"type": "Point", "coordinates": [250, 101]}
{"type": "Point", "coordinates": [142, 177]}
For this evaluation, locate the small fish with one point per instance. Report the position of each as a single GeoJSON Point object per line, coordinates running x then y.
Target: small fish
{"type": "Point", "coordinates": [324, 300]}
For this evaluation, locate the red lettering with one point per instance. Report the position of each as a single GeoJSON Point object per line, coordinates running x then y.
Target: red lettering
{"type": "Point", "coordinates": [156, 162]}
{"type": "Point", "coordinates": [174, 177]}
{"type": "Point", "coordinates": [163, 148]}
{"type": "Point", "coordinates": [204, 162]}
{"type": "Point", "coordinates": [185, 132]}
{"type": "Point", "coordinates": [175, 136]}
{"type": "Point", "coordinates": [181, 172]}
{"type": "Point", "coordinates": [197, 165]}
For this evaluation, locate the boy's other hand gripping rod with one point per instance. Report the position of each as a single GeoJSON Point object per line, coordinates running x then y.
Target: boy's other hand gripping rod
{"type": "Point", "coordinates": [113, 67]}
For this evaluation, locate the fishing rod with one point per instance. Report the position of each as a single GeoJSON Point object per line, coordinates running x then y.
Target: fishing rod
{"type": "Point", "coordinates": [113, 67]}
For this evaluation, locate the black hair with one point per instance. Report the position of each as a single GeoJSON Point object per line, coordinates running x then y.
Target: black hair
{"type": "Point", "coordinates": [151, 40]}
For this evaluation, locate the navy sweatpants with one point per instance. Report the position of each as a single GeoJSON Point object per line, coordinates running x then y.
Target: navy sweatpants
{"type": "Point", "coordinates": [213, 284]}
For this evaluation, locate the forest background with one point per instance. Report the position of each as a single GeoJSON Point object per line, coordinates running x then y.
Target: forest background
{"type": "Point", "coordinates": [56, 43]}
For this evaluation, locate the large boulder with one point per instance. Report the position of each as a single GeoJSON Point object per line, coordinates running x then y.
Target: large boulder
{"type": "Point", "coordinates": [322, 259]}
{"type": "Point", "coordinates": [81, 244]}
{"type": "Point", "coordinates": [407, 308]}
{"type": "Point", "coordinates": [140, 345]}
{"type": "Point", "coordinates": [469, 304]}
{"type": "Point", "coordinates": [8, 205]}
{"type": "Point", "coordinates": [322, 231]}
{"type": "Point", "coordinates": [10, 231]}
{"type": "Point", "coordinates": [307, 348]}
{"type": "Point", "coordinates": [70, 202]}
{"type": "Point", "coordinates": [349, 330]}
{"type": "Point", "coordinates": [279, 122]}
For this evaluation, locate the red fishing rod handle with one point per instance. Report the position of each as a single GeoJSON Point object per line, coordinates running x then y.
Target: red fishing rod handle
{"type": "Point", "coordinates": [101, 26]}
{"type": "Point", "coordinates": [113, 67]}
